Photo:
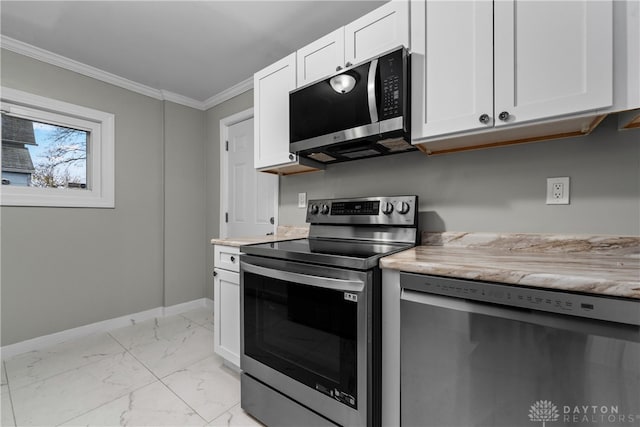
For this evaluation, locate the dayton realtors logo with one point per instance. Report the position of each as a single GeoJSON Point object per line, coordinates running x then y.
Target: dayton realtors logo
{"type": "Point", "coordinates": [546, 411]}
{"type": "Point", "coordinates": [543, 410]}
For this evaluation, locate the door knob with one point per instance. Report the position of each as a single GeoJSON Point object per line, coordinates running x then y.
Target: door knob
{"type": "Point", "coordinates": [504, 116]}
{"type": "Point", "coordinates": [484, 119]}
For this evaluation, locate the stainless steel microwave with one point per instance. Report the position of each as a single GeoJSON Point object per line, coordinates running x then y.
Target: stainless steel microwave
{"type": "Point", "coordinates": [361, 111]}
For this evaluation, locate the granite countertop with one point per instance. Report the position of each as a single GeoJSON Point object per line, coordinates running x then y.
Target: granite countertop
{"type": "Point", "coordinates": [284, 232]}
{"type": "Point", "coordinates": [608, 265]}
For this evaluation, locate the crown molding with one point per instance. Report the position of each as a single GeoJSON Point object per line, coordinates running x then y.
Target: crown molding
{"type": "Point", "coordinates": [98, 74]}
{"type": "Point", "coordinates": [75, 66]}
{"type": "Point", "coordinates": [182, 100]}
{"type": "Point", "coordinates": [225, 95]}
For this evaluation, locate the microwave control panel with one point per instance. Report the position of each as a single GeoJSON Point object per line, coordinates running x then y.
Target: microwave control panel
{"type": "Point", "coordinates": [391, 68]}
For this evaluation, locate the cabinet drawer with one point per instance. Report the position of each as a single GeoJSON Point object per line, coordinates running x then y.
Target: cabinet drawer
{"type": "Point", "coordinates": [226, 257]}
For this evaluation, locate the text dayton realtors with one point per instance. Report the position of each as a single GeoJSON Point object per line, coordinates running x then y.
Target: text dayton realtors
{"type": "Point", "coordinates": [596, 414]}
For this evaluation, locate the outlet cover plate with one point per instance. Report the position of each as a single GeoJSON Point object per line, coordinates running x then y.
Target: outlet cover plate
{"type": "Point", "coordinates": [302, 200]}
{"type": "Point", "coordinates": [558, 191]}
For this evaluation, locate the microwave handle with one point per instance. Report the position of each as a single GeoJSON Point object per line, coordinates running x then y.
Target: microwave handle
{"type": "Point", "coordinates": [371, 91]}
{"type": "Point", "coordinates": [304, 279]}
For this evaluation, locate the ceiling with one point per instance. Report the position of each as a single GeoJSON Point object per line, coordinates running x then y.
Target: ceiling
{"type": "Point", "coordinates": [195, 49]}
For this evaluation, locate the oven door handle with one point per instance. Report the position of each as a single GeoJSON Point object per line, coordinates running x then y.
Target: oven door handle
{"type": "Point", "coordinates": [305, 279]}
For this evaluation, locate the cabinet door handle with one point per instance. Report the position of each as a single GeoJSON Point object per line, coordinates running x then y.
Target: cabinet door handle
{"type": "Point", "coordinates": [504, 116]}
{"type": "Point", "coordinates": [338, 68]}
{"type": "Point", "coordinates": [233, 259]}
{"type": "Point", "coordinates": [291, 157]}
{"type": "Point", "coordinates": [348, 64]}
{"type": "Point", "coordinates": [215, 273]}
{"type": "Point", "coordinates": [484, 119]}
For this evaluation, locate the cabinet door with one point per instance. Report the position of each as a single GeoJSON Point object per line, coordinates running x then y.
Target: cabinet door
{"type": "Point", "coordinates": [451, 67]}
{"type": "Point", "coordinates": [383, 29]}
{"type": "Point", "coordinates": [226, 326]}
{"type": "Point", "coordinates": [552, 58]}
{"type": "Point", "coordinates": [271, 88]}
{"type": "Point", "coordinates": [321, 58]}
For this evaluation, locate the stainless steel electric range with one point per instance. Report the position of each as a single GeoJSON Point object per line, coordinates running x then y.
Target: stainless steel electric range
{"type": "Point", "coordinates": [311, 314]}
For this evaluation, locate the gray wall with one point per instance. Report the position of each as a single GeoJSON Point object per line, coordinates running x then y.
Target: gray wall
{"type": "Point", "coordinates": [185, 239]}
{"type": "Point", "coordinates": [67, 267]}
{"type": "Point", "coordinates": [228, 108]}
{"type": "Point", "coordinates": [500, 189]}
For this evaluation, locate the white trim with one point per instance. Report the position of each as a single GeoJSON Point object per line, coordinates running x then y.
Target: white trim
{"type": "Point", "coordinates": [186, 306]}
{"type": "Point", "coordinates": [225, 123]}
{"type": "Point", "coordinates": [44, 341]}
{"type": "Point", "coordinates": [78, 67]}
{"type": "Point", "coordinates": [227, 94]}
{"type": "Point", "coordinates": [98, 74]}
{"type": "Point", "coordinates": [182, 100]}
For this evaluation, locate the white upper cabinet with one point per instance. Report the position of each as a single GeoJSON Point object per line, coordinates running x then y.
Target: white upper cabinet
{"type": "Point", "coordinates": [381, 30]}
{"type": "Point", "coordinates": [480, 64]}
{"type": "Point", "coordinates": [452, 85]}
{"type": "Point", "coordinates": [271, 88]}
{"type": "Point", "coordinates": [321, 57]}
{"type": "Point", "coordinates": [552, 58]}
{"type": "Point", "coordinates": [378, 31]}
{"type": "Point", "coordinates": [626, 62]}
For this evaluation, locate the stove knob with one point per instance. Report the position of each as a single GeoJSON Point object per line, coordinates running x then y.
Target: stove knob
{"type": "Point", "coordinates": [313, 209]}
{"type": "Point", "coordinates": [324, 209]}
{"type": "Point", "coordinates": [402, 207]}
{"type": "Point", "coordinates": [387, 208]}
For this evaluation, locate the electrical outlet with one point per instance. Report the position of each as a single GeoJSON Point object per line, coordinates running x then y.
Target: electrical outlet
{"type": "Point", "coordinates": [558, 191]}
{"type": "Point", "coordinates": [302, 200]}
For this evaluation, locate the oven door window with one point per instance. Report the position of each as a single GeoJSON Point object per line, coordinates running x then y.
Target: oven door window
{"type": "Point", "coordinates": [307, 333]}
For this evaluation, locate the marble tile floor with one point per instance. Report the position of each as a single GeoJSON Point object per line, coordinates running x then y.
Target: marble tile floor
{"type": "Point", "coordinates": [160, 372]}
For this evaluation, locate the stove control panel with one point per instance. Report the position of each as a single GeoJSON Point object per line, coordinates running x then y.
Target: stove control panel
{"type": "Point", "coordinates": [396, 210]}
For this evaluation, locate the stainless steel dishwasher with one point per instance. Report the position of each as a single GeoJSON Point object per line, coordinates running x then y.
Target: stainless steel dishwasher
{"type": "Point", "coordinates": [485, 354]}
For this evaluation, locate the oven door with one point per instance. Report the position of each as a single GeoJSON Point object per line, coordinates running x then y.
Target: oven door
{"type": "Point", "coordinates": [304, 333]}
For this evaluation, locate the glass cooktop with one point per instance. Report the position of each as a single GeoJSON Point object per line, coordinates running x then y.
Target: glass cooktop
{"type": "Point", "coordinates": [345, 253]}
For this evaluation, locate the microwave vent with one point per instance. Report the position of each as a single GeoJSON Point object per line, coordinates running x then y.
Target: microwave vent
{"type": "Point", "coordinates": [395, 145]}
{"type": "Point", "coordinates": [361, 153]}
{"type": "Point", "coordinates": [321, 157]}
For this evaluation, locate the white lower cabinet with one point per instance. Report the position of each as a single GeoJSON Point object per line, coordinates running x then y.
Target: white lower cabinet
{"type": "Point", "coordinates": [226, 296]}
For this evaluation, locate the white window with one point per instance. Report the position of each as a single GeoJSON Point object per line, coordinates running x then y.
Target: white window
{"type": "Point", "coordinates": [55, 153]}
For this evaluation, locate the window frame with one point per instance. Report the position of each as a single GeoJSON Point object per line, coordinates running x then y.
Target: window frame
{"type": "Point", "coordinates": [100, 191]}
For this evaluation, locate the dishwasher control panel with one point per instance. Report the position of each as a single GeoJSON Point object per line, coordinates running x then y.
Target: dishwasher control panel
{"type": "Point", "coordinates": [611, 309]}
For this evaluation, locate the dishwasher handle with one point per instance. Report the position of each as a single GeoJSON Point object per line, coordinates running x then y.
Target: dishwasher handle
{"type": "Point", "coordinates": [581, 325]}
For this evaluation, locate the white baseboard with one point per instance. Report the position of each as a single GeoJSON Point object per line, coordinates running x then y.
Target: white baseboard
{"type": "Point", "coordinates": [104, 326]}
{"type": "Point", "coordinates": [185, 306]}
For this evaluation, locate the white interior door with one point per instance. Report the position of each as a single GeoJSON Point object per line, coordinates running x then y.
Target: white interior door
{"type": "Point", "coordinates": [251, 196]}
